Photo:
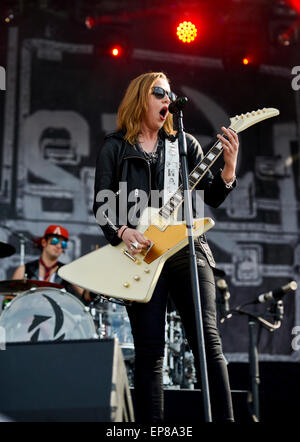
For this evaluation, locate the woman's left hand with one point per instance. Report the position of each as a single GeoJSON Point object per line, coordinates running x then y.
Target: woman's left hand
{"type": "Point", "coordinates": [230, 154]}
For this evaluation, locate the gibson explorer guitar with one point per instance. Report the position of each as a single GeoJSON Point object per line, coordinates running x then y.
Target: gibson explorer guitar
{"type": "Point", "coordinates": [113, 272]}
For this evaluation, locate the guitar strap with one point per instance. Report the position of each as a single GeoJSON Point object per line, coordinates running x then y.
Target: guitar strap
{"type": "Point", "coordinates": [171, 177]}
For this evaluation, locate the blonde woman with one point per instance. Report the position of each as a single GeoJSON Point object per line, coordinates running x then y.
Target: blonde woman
{"type": "Point", "coordinates": [135, 155]}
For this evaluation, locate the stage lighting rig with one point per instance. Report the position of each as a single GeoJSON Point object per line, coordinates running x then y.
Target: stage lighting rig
{"type": "Point", "coordinates": [116, 51]}
{"type": "Point", "coordinates": [284, 25]}
{"type": "Point", "coordinates": [9, 12]}
{"type": "Point", "coordinates": [186, 31]}
{"type": "Point", "coordinates": [111, 42]}
{"type": "Point", "coordinates": [90, 22]}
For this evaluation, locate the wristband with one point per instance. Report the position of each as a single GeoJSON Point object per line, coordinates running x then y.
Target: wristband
{"type": "Point", "coordinates": [119, 229]}
{"type": "Point", "coordinates": [123, 232]}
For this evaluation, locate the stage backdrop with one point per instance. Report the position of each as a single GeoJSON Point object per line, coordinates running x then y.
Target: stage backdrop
{"type": "Point", "coordinates": [61, 99]}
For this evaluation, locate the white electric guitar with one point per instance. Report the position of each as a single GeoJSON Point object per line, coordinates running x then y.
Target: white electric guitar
{"type": "Point", "coordinates": [113, 272]}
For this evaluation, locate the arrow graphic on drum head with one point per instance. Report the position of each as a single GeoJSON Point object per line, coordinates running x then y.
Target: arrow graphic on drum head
{"type": "Point", "coordinates": [39, 319]}
{"type": "Point", "coordinates": [59, 316]}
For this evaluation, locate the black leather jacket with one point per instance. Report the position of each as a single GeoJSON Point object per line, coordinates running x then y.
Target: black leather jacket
{"type": "Point", "coordinates": [119, 161]}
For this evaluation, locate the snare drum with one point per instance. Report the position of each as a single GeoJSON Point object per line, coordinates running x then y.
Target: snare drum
{"type": "Point", "coordinates": [46, 314]}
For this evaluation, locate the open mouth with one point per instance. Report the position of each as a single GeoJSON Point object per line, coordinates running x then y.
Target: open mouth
{"type": "Point", "coordinates": [163, 112]}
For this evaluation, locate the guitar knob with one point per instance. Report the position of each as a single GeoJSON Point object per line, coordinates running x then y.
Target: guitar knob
{"type": "Point", "coordinates": [136, 277]}
{"type": "Point", "coordinates": [126, 285]}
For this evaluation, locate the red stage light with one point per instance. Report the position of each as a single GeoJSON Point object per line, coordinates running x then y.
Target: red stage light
{"type": "Point", "coordinates": [186, 32]}
{"type": "Point", "coordinates": [295, 4]}
{"type": "Point", "coordinates": [116, 51]}
{"type": "Point", "coordinates": [246, 61]}
{"type": "Point", "coordinates": [90, 22]}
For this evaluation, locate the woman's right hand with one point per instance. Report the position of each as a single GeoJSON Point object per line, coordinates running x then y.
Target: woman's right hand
{"type": "Point", "coordinates": [130, 236]}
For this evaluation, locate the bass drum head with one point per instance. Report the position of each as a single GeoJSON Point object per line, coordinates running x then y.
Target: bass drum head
{"type": "Point", "coordinates": [46, 314]}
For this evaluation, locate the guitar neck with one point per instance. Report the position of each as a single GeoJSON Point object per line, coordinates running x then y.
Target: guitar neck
{"type": "Point", "coordinates": [238, 124]}
{"type": "Point", "coordinates": [194, 178]}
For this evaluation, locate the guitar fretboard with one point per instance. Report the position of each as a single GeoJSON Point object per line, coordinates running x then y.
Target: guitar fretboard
{"type": "Point", "coordinates": [194, 178]}
{"type": "Point", "coordinates": [238, 124]}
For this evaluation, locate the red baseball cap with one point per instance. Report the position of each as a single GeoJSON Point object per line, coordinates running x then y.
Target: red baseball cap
{"type": "Point", "coordinates": [56, 230]}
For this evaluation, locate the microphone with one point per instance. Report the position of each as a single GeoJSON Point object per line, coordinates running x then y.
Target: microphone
{"type": "Point", "coordinates": [177, 105]}
{"type": "Point", "coordinates": [277, 293]}
{"type": "Point", "coordinates": [224, 300]}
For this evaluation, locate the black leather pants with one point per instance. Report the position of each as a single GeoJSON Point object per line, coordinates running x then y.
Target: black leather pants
{"type": "Point", "coordinates": [148, 325]}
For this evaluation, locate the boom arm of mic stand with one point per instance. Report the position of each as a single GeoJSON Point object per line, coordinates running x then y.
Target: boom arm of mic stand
{"type": "Point", "coordinates": [266, 324]}
{"type": "Point", "coordinates": [22, 238]}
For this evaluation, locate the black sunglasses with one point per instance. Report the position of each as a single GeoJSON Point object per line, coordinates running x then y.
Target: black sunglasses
{"type": "Point", "coordinates": [159, 93]}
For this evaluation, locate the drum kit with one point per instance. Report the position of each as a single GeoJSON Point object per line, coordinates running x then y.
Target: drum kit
{"type": "Point", "coordinates": [34, 311]}
{"type": "Point", "coordinates": [178, 369]}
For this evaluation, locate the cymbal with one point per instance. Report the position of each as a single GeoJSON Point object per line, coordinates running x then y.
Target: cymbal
{"type": "Point", "coordinates": [22, 285]}
{"type": "Point", "coordinates": [6, 249]}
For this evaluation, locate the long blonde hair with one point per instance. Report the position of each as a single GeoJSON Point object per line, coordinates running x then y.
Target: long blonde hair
{"type": "Point", "coordinates": [133, 107]}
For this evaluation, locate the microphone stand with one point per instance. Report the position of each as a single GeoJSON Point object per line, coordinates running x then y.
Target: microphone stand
{"type": "Point", "coordinates": [254, 320]}
{"type": "Point", "coordinates": [178, 123]}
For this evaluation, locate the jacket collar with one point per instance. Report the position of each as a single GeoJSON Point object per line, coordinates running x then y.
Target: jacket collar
{"type": "Point", "coordinates": [132, 151]}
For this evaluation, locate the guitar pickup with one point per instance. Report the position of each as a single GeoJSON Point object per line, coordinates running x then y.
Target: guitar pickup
{"type": "Point", "coordinates": [126, 253]}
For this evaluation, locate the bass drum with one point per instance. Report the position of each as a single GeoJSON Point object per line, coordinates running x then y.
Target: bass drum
{"type": "Point", "coordinates": [46, 314]}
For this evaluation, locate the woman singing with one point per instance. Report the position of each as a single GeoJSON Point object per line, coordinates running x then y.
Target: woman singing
{"type": "Point", "coordinates": [136, 154]}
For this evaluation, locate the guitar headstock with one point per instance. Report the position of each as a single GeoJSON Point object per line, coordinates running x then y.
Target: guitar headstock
{"type": "Point", "coordinates": [243, 121]}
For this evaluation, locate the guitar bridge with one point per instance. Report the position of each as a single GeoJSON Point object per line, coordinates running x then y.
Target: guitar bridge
{"type": "Point", "coordinates": [144, 252]}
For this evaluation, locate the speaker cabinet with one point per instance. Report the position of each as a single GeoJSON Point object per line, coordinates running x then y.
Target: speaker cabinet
{"type": "Point", "coordinates": [64, 381]}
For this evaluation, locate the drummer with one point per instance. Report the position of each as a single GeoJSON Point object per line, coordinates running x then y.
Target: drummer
{"type": "Point", "coordinates": [52, 245]}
